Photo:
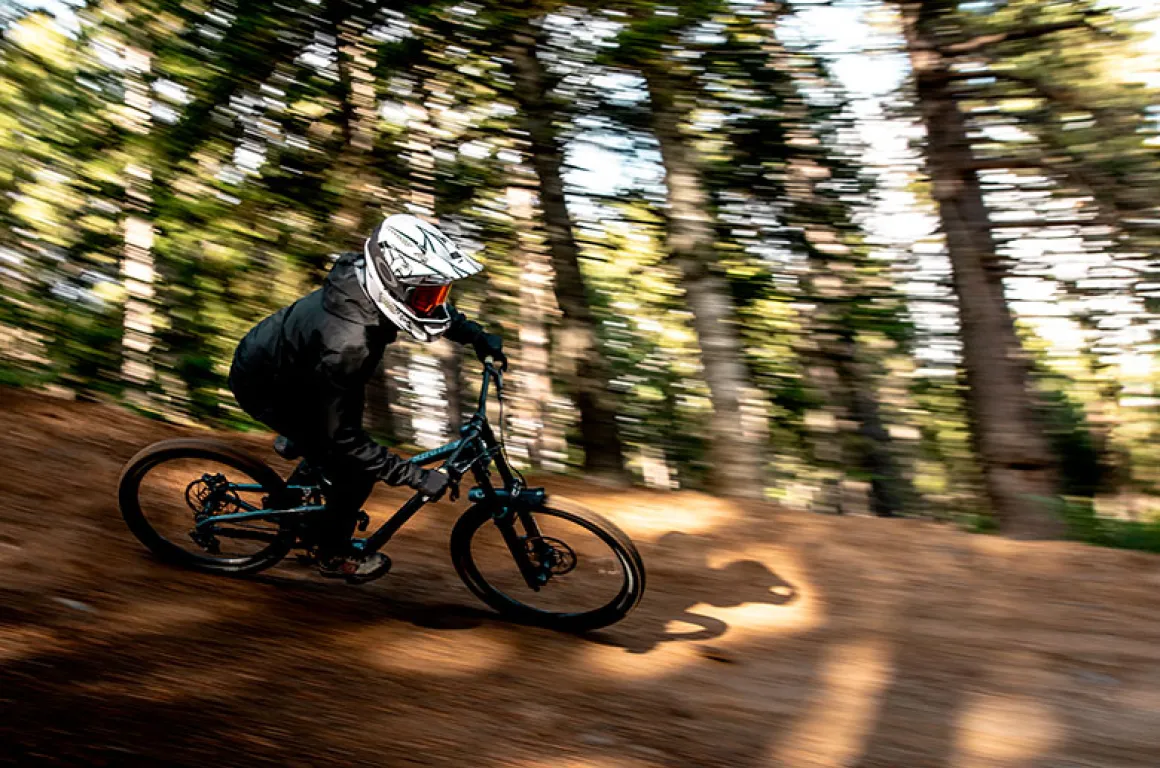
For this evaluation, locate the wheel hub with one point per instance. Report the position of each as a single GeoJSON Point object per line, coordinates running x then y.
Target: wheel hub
{"type": "Point", "coordinates": [551, 555]}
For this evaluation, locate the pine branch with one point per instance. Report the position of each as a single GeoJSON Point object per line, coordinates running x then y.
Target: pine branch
{"type": "Point", "coordinates": [1045, 223]}
{"type": "Point", "coordinates": [980, 42]}
{"type": "Point", "coordinates": [1093, 221]}
{"type": "Point", "coordinates": [1051, 92]}
{"type": "Point", "coordinates": [1006, 163]}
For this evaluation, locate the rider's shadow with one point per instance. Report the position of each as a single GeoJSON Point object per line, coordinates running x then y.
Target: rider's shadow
{"type": "Point", "coordinates": [683, 580]}
{"type": "Point", "coordinates": [680, 579]}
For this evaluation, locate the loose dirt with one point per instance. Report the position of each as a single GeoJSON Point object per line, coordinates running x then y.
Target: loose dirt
{"type": "Point", "coordinates": [767, 638]}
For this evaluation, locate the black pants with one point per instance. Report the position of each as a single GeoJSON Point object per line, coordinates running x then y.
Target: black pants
{"type": "Point", "coordinates": [347, 490]}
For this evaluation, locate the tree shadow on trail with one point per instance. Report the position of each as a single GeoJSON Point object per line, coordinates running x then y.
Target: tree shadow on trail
{"type": "Point", "coordinates": [680, 581]}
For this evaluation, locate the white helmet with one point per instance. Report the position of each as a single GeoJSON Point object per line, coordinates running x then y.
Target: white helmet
{"type": "Point", "coordinates": [408, 271]}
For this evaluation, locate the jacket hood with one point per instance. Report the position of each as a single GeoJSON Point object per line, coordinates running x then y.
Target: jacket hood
{"type": "Point", "coordinates": [343, 295]}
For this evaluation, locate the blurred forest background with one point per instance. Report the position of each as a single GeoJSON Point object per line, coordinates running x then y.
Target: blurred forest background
{"type": "Point", "coordinates": [882, 257]}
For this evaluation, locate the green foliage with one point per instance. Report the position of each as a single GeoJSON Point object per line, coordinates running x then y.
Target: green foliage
{"type": "Point", "coordinates": [986, 524]}
{"type": "Point", "coordinates": [22, 376]}
{"type": "Point", "coordinates": [275, 135]}
{"type": "Point", "coordinates": [1085, 525]}
{"type": "Point", "coordinates": [85, 349]}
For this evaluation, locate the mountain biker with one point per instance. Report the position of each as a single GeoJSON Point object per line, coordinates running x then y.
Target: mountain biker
{"type": "Point", "coordinates": [302, 371]}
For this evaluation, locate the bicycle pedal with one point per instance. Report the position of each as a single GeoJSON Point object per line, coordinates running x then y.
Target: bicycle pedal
{"type": "Point", "coordinates": [376, 574]}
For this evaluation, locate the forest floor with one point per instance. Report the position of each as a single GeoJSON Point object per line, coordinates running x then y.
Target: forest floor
{"type": "Point", "coordinates": [767, 638]}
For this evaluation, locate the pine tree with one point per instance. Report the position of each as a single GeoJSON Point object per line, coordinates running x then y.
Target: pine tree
{"type": "Point", "coordinates": [1019, 470]}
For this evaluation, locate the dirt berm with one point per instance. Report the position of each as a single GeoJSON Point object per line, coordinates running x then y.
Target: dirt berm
{"type": "Point", "coordinates": [767, 638]}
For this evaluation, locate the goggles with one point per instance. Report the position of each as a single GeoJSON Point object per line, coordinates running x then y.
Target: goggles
{"type": "Point", "coordinates": [424, 300]}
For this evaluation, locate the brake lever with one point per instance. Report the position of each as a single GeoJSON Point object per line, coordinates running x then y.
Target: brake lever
{"type": "Point", "coordinates": [496, 374]}
{"type": "Point", "coordinates": [454, 476]}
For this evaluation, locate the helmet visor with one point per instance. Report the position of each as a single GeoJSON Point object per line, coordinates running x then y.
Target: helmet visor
{"type": "Point", "coordinates": [425, 299]}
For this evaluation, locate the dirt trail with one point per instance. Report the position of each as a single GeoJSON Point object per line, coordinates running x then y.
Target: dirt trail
{"type": "Point", "coordinates": [766, 639]}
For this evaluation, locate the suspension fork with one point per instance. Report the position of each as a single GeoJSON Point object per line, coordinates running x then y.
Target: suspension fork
{"type": "Point", "coordinates": [515, 489]}
{"type": "Point", "coordinates": [507, 508]}
{"type": "Point", "coordinates": [517, 545]}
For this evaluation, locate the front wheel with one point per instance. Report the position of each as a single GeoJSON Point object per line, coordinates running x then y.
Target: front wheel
{"type": "Point", "coordinates": [586, 572]}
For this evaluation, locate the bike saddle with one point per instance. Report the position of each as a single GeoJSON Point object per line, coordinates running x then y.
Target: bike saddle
{"type": "Point", "coordinates": [286, 448]}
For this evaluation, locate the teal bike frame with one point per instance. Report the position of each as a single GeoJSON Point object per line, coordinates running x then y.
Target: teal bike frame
{"type": "Point", "coordinates": [476, 450]}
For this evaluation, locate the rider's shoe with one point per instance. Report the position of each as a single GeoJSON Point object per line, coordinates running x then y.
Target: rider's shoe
{"type": "Point", "coordinates": [356, 569]}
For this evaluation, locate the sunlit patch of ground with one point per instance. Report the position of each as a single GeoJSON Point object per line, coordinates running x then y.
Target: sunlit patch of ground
{"type": "Point", "coordinates": [835, 727]}
{"type": "Point", "coordinates": [448, 655]}
{"type": "Point", "coordinates": [622, 663]}
{"type": "Point", "coordinates": [646, 516]}
{"type": "Point", "coordinates": [999, 731]}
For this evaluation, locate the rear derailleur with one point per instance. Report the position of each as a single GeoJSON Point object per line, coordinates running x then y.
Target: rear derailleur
{"type": "Point", "coordinates": [207, 496]}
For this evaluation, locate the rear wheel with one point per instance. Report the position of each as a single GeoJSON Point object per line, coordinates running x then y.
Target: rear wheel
{"type": "Point", "coordinates": [587, 571]}
{"type": "Point", "coordinates": [171, 491]}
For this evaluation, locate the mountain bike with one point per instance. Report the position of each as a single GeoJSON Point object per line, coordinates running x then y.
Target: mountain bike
{"type": "Point", "coordinates": [207, 505]}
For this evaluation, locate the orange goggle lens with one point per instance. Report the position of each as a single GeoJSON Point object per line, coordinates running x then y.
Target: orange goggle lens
{"type": "Point", "coordinates": [425, 299]}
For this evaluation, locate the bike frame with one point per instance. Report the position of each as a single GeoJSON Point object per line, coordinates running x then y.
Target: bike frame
{"type": "Point", "coordinates": [476, 450]}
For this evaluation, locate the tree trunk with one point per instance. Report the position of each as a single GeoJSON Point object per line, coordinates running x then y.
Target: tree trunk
{"type": "Point", "coordinates": [357, 117]}
{"type": "Point", "coordinates": [851, 433]}
{"type": "Point", "coordinates": [534, 379]}
{"type": "Point", "coordinates": [888, 488]}
{"type": "Point", "coordinates": [420, 155]}
{"type": "Point", "coordinates": [736, 460]}
{"type": "Point", "coordinates": [138, 273]}
{"type": "Point", "coordinates": [1019, 470]}
{"type": "Point", "coordinates": [137, 268]}
{"type": "Point", "coordinates": [452, 364]}
{"type": "Point", "coordinates": [396, 360]}
{"type": "Point", "coordinates": [587, 371]}
{"type": "Point", "coordinates": [379, 416]}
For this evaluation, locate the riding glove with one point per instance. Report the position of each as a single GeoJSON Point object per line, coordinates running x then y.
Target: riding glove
{"type": "Point", "coordinates": [433, 483]}
{"type": "Point", "coordinates": [491, 345]}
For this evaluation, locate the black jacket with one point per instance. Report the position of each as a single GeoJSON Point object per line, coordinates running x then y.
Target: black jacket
{"type": "Point", "coordinates": [302, 371]}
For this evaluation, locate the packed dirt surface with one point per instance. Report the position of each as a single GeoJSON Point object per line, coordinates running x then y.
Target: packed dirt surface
{"type": "Point", "coordinates": [766, 638]}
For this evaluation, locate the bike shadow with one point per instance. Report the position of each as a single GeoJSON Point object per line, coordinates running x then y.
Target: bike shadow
{"type": "Point", "coordinates": [681, 586]}
{"type": "Point", "coordinates": [682, 583]}
{"type": "Point", "coordinates": [368, 604]}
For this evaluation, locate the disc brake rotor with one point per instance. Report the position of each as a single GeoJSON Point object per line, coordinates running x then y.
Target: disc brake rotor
{"type": "Point", "coordinates": [551, 554]}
